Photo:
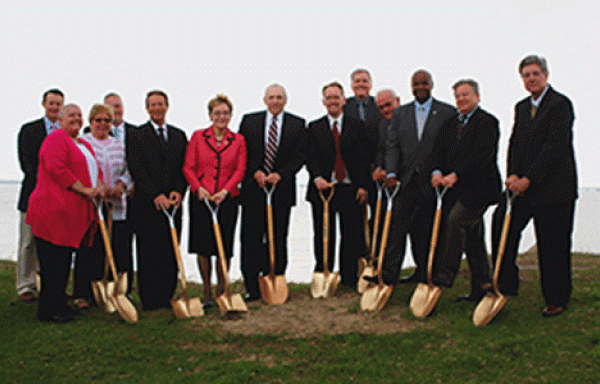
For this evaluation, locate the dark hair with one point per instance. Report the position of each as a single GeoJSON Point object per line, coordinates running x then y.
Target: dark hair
{"type": "Point", "coordinates": [159, 93]}
{"type": "Point", "coordinates": [333, 84]}
{"type": "Point", "coordinates": [56, 91]}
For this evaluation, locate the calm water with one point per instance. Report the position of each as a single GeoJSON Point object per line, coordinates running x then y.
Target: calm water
{"type": "Point", "coordinates": [586, 237]}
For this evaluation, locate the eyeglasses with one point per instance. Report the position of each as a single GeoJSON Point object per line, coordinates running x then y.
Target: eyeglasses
{"type": "Point", "coordinates": [99, 120]}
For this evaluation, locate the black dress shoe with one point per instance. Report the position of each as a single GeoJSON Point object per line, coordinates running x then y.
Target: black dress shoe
{"type": "Point", "coordinates": [409, 279]}
{"type": "Point", "coordinates": [553, 310]}
{"type": "Point", "coordinates": [472, 297]}
{"type": "Point", "coordinates": [207, 304]}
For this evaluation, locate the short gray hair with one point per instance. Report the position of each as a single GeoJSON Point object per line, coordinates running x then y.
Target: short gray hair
{"type": "Point", "coordinates": [470, 82]}
{"type": "Point", "coordinates": [534, 59]}
{"type": "Point", "coordinates": [276, 85]}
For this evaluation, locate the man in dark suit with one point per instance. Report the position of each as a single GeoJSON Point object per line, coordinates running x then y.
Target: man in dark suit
{"type": "Point", "coordinates": [464, 159]}
{"type": "Point", "coordinates": [29, 143]}
{"type": "Point", "coordinates": [275, 143]}
{"type": "Point", "coordinates": [411, 135]}
{"type": "Point", "coordinates": [335, 153]}
{"type": "Point", "coordinates": [541, 172]}
{"type": "Point", "coordinates": [155, 157]}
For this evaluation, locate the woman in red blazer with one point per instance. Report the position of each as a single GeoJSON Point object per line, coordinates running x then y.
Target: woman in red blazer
{"type": "Point", "coordinates": [215, 164]}
{"type": "Point", "coordinates": [60, 210]}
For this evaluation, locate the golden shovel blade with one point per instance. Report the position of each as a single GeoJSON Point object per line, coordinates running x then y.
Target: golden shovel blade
{"type": "Point", "coordinates": [488, 308]}
{"type": "Point", "coordinates": [375, 297]}
{"type": "Point", "coordinates": [362, 264]}
{"type": "Point", "coordinates": [424, 299]}
{"type": "Point", "coordinates": [186, 309]}
{"type": "Point", "coordinates": [330, 284]}
{"type": "Point", "coordinates": [105, 290]}
{"type": "Point", "coordinates": [232, 304]}
{"type": "Point", "coordinates": [363, 284]}
{"type": "Point", "coordinates": [122, 282]}
{"type": "Point", "coordinates": [273, 289]}
{"type": "Point", "coordinates": [125, 308]}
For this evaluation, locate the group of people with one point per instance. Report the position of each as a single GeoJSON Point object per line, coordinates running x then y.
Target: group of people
{"type": "Point", "coordinates": [361, 141]}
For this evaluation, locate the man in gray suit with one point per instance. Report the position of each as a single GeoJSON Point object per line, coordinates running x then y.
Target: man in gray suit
{"type": "Point", "coordinates": [411, 134]}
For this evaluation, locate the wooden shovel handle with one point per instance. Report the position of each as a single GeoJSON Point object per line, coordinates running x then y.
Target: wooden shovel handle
{"type": "Point", "coordinates": [375, 230]}
{"type": "Point", "coordinates": [271, 240]}
{"type": "Point", "coordinates": [434, 238]}
{"type": "Point", "coordinates": [109, 254]}
{"type": "Point", "coordinates": [326, 229]}
{"type": "Point", "coordinates": [219, 240]}
{"type": "Point", "coordinates": [179, 262]}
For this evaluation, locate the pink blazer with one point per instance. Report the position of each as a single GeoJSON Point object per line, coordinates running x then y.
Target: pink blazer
{"type": "Point", "coordinates": [56, 213]}
{"type": "Point", "coordinates": [215, 168]}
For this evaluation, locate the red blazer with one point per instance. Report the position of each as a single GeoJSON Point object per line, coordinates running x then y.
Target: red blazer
{"type": "Point", "coordinates": [215, 168]}
{"type": "Point", "coordinates": [56, 213]}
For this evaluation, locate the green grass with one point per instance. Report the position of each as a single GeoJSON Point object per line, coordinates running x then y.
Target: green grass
{"type": "Point", "coordinates": [519, 346]}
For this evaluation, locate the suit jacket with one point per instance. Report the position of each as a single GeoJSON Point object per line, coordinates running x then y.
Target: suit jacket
{"type": "Point", "coordinates": [155, 169]}
{"type": "Point", "coordinates": [30, 139]}
{"type": "Point", "coordinates": [381, 142]}
{"type": "Point", "coordinates": [405, 154]}
{"type": "Point", "coordinates": [474, 159]}
{"type": "Point", "coordinates": [289, 159]}
{"type": "Point", "coordinates": [542, 149]}
{"type": "Point", "coordinates": [372, 119]}
{"type": "Point", "coordinates": [321, 153]}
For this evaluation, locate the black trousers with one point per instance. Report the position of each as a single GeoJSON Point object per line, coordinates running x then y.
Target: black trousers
{"type": "Point", "coordinates": [352, 244]}
{"type": "Point", "coordinates": [553, 231]}
{"type": "Point", "coordinates": [55, 265]}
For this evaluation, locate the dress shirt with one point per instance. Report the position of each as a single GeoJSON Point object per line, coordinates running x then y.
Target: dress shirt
{"type": "Point", "coordinates": [119, 131]}
{"type": "Point", "coordinates": [426, 108]}
{"type": "Point", "coordinates": [465, 119]}
{"type": "Point", "coordinates": [536, 103]}
{"type": "Point", "coordinates": [339, 120]}
{"type": "Point", "coordinates": [49, 125]}
{"type": "Point", "coordinates": [279, 120]}
{"type": "Point", "coordinates": [164, 127]}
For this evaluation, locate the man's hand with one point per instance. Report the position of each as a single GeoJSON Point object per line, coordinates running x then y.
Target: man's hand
{"type": "Point", "coordinates": [361, 195]}
{"type": "Point", "coordinates": [379, 174]}
{"type": "Point", "coordinates": [260, 178]}
{"type": "Point", "coordinates": [437, 179]}
{"type": "Point", "coordinates": [450, 180]}
{"type": "Point", "coordinates": [176, 198]}
{"type": "Point", "coordinates": [321, 184]}
{"type": "Point", "coordinates": [161, 202]}
{"type": "Point", "coordinates": [391, 182]}
{"type": "Point", "coordinates": [273, 178]}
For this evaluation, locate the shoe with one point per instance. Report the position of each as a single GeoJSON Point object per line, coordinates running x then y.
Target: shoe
{"type": "Point", "coordinates": [27, 297]}
{"type": "Point", "coordinates": [81, 304]}
{"type": "Point", "coordinates": [553, 310]}
{"type": "Point", "coordinates": [409, 279]}
{"type": "Point", "coordinates": [207, 304]}
{"type": "Point", "coordinates": [472, 297]}
{"type": "Point", "coordinates": [250, 297]}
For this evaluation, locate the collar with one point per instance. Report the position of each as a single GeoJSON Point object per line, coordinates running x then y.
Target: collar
{"type": "Point", "coordinates": [339, 119]}
{"type": "Point", "coordinates": [539, 99]}
{"type": "Point", "coordinates": [279, 118]}
{"type": "Point", "coordinates": [465, 119]}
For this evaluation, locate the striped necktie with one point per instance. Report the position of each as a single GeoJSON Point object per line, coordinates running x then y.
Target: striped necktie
{"type": "Point", "coordinates": [533, 110]}
{"type": "Point", "coordinates": [271, 150]}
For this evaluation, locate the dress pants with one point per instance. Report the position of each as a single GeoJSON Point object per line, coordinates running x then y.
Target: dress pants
{"type": "Point", "coordinates": [553, 231]}
{"type": "Point", "coordinates": [122, 243]}
{"type": "Point", "coordinates": [27, 261]}
{"type": "Point", "coordinates": [352, 244]}
{"type": "Point", "coordinates": [458, 224]}
{"type": "Point", "coordinates": [89, 267]}
{"type": "Point", "coordinates": [412, 213]}
{"type": "Point", "coordinates": [255, 242]}
{"type": "Point", "coordinates": [55, 265]}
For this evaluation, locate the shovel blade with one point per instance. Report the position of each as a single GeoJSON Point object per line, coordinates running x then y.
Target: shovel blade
{"type": "Point", "coordinates": [180, 309]}
{"type": "Point", "coordinates": [362, 264]}
{"type": "Point", "coordinates": [103, 290]}
{"type": "Point", "coordinates": [376, 297]}
{"type": "Point", "coordinates": [317, 285]}
{"type": "Point", "coordinates": [488, 308]}
{"type": "Point", "coordinates": [195, 307]}
{"type": "Point", "coordinates": [424, 299]}
{"type": "Point", "coordinates": [125, 308]}
{"type": "Point", "coordinates": [330, 284]}
{"type": "Point", "coordinates": [363, 284]}
{"type": "Point", "coordinates": [273, 289]}
{"type": "Point", "coordinates": [232, 304]}
{"type": "Point", "coordinates": [122, 283]}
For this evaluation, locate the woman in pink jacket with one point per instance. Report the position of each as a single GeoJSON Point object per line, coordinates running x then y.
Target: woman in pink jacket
{"type": "Point", "coordinates": [215, 163]}
{"type": "Point", "coordinates": [61, 213]}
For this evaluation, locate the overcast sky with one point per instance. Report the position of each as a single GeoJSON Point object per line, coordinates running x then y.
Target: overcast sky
{"type": "Point", "coordinates": [88, 49]}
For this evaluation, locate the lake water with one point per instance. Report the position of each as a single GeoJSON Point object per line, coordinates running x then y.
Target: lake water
{"type": "Point", "coordinates": [586, 237]}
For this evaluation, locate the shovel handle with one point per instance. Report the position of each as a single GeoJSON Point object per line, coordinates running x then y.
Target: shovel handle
{"type": "Point", "coordinates": [434, 234]}
{"type": "Point", "coordinates": [271, 239]}
{"type": "Point", "coordinates": [386, 231]}
{"type": "Point", "coordinates": [326, 229]}
{"type": "Point", "coordinates": [221, 250]}
{"type": "Point", "coordinates": [503, 237]}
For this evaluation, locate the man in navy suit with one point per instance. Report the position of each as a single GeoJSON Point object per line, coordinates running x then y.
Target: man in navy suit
{"type": "Point", "coordinates": [275, 142]}
{"type": "Point", "coordinates": [411, 134]}
{"type": "Point", "coordinates": [464, 159]}
{"type": "Point", "coordinates": [31, 137]}
{"type": "Point", "coordinates": [336, 153]}
{"type": "Point", "coordinates": [155, 158]}
{"type": "Point", "coordinates": [542, 173]}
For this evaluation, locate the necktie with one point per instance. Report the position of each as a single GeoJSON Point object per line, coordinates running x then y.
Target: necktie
{"type": "Point", "coordinates": [271, 150]}
{"type": "Point", "coordinates": [461, 126]}
{"type": "Point", "coordinates": [161, 134]}
{"type": "Point", "coordinates": [420, 121]}
{"type": "Point", "coordinates": [533, 110]}
{"type": "Point", "coordinates": [340, 172]}
{"type": "Point", "coordinates": [52, 128]}
{"type": "Point", "coordinates": [361, 110]}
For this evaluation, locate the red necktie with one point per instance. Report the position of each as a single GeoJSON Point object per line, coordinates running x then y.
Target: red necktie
{"type": "Point", "coordinates": [340, 172]}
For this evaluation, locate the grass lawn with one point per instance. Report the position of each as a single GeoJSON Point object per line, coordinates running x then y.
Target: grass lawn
{"type": "Point", "coordinates": [518, 346]}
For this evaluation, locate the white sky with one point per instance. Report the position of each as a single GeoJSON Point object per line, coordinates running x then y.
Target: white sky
{"type": "Point", "coordinates": [195, 52]}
